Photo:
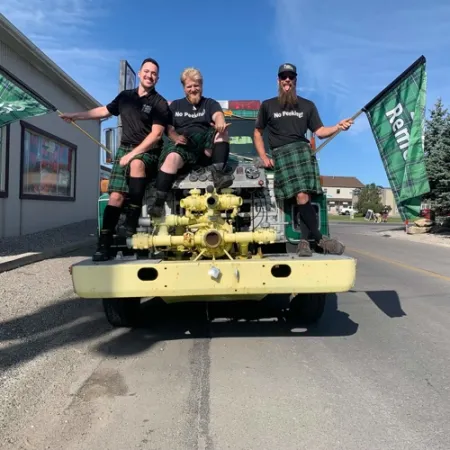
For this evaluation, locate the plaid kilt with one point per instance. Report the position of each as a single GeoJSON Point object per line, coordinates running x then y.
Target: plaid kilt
{"type": "Point", "coordinates": [192, 151]}
{"type": "Point", "coordinates": [295, 170]}
{"type": "Point", "coordinates": [118, 180]}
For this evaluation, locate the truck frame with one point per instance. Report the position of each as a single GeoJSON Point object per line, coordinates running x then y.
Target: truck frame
{"type": "Point", "coordinates": [237, 244]}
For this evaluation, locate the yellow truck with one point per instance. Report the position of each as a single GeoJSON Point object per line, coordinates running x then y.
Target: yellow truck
{"type": "Point", "coordinates": [237, 244]}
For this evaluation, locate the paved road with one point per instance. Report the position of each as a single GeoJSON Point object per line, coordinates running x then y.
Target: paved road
{"type": "Point", "coordinates": [373, 375]}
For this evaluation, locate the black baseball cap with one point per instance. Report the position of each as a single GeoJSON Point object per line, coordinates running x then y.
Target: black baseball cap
{"type": "Point", "coordinates": [287, 67]}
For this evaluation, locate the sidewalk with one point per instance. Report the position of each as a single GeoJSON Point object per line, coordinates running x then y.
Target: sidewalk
{"type": "Point", "coordinates": [22, 250]}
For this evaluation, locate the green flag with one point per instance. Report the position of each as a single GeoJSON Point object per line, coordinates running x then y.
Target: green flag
{"type": "Point", "coordinates": [18, 101]}
{"type": "Point", "coordinates": [397, 119]}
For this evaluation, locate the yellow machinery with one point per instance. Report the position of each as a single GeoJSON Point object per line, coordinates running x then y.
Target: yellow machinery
{"type": "Point", "coordinates": [198, 255]}
{"type": "Point", "coordinates": [202, 231]}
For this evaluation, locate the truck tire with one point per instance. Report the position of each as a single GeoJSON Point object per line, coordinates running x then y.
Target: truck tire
{"type": "Point", "coordinates": [122, 312]}
{"type": "Point", "coordinates": [306, 309]}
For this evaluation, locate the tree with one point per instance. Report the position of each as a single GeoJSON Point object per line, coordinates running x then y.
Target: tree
{"type": "Point", "coordinates": [437, 157]}
{"type": "Point", "coordinates": [369, 198]}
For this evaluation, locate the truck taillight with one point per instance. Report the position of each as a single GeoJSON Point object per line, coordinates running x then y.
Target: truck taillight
{"type": "Point", "coordinates": [244, 104]}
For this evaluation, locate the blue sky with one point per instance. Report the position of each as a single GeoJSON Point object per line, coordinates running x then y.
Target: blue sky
{"type": "Point", "coordinates": [345, 52]}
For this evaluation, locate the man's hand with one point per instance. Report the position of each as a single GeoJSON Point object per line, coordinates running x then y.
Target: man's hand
{"type": "Point", "coordinates": [178, 139]}
{"type": "Point", "coordinates": [125, 160]}
{"type": "Point", "coordinates": [68, 117]}
{"type": "Point", "coordinates": [220, 125]}
{"type": "Point", "coordinates": [268, 162]}
{"type": "Point", "coordinates": [345, 124]}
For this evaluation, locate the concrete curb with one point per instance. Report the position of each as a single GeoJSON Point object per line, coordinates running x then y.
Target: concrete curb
{"type": "Point", "coordinates": [46, 254]}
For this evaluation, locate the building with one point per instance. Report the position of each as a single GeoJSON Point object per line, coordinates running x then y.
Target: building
{"type": "Point", "coordinates": [49, 170]}
{"type": "Point", "coordinates": [339, 191]}
{"type": "Point", "coordinates": [386, 199]}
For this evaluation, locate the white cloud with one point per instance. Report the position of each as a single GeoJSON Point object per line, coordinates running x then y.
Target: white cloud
{"type": "Point", "coordinates": [65, 31]}
{"type": "Point", "coordinates": [348, 55]}
{"type": "Point", "coordinates": [39, 16]}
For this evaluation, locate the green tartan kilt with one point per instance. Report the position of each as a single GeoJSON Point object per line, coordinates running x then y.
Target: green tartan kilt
{"type": "Point", "coordinates": [295, 170]}
{"type": "Point", "coordinates": [192, 151]}
{"type": "Point", "coordinates": [118, 180]}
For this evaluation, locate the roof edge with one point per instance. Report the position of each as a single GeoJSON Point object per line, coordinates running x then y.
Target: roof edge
{"type": "Point", "coordinates": [53, 71]}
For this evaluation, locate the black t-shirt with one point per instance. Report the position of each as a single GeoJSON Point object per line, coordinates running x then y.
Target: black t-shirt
{"type": "Point", "coordinates": [189, 119]}
{"type": "Point", "coordinates": [288, 125]}
{"type": "Point", "coordinates": [139, 114]}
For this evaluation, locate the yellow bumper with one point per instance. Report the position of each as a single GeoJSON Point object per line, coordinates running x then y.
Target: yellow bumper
{"type": "Point", "coordinates": [218, 280]}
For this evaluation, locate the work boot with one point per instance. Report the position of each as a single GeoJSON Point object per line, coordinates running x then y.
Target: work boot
{"type": "Point", "coordinates": [221, 179]}
{"type": "Point", "coordinates": [303, 248]}
{"type": "Point", "coordinates": [157, 209]}
{"type": "Point", "coordinates": [331, 246]}
{"type": "Point", "coordinates": [133, 214]}
{"type": "Point", "coordinates": [103, 246]}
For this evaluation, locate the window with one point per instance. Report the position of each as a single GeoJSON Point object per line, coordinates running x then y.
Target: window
{"type": "Point", "coordinates": [48, 166]}
{"type": "Point", "coordinates": [241, 137]}
{"type": "Point", "coordinates": [4, 156]}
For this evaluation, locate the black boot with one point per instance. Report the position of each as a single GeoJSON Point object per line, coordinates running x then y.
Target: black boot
{"type": "Point", "coordinates": [110, 219]}
{"type": "Point", "coordinates": [221, 179]}
{"type": "Point", "coordinates": [137, 186]}
{"type": "Point", "coordinates": [158, 207]}
{"type": "Point", "coordinates": [132, 219]}
{"type": "Point", "coordinates": [103, 246]}
{"type": "Point", "coordinates": [163, 185]}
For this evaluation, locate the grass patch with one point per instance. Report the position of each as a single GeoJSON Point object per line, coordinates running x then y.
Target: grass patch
{"type": "Point", "coordinates": [332, 217]}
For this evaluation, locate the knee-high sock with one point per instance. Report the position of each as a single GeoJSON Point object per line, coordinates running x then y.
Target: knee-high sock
{"type": "Point", "coordinates": [110, 218]}
{"type": "Point", "coordinates": [137, 187]}
{"type": "Point", "coordinates": [136, 193]}
{"type": "Point", "coordinates": [164, 181]}
{"type": "Point", "coordinates": [221, 151]}
{"type": "Point", "coordinates": [308, 216]}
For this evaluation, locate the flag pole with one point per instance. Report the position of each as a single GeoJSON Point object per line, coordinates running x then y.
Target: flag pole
{"type": "Point", "coordinates": [354, 117]}
{"type": "Point", "coordinates": [87, 134]}
{"type": "Point", "coordinates": [420, 60]}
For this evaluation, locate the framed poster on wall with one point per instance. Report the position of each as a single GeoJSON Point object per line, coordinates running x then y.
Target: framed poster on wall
{"type": "Point", "coordinates": [48, 166]}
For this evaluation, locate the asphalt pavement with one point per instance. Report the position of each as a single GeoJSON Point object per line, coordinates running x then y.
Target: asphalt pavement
{"type": "Point", "coordinates": [374, 374]}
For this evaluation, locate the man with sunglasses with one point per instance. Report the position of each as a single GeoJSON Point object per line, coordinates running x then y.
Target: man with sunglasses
{"type": "Point", "coordinates": [287, 118]}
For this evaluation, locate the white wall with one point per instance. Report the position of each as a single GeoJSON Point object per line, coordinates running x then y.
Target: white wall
{"type": "Point", "coordinates": [343, 192]}
{"type": "Point", "coordinates": [27, 216]}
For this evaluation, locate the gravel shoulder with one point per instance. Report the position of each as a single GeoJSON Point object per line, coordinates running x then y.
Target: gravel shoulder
{"type": "Point", "coordinates": [43, 244]}
{"type": "Point", "coordinates": [44, 330]}
{"type": "Point", "coordinates": [426, 238]}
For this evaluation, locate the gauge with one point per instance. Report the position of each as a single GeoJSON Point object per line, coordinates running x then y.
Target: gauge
{"type": "Point", "coordinates": [251, 172]}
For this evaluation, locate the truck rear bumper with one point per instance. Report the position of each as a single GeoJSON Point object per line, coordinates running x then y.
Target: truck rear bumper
{"type": "Point", "coordinates": [219, 280]}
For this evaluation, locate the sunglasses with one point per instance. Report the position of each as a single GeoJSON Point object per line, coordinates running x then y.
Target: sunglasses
{"type": "Point", "coordinates": [284, 76]}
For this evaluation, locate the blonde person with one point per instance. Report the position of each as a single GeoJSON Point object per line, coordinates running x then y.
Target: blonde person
{"type": "Point", "coordinates": [197, 136]}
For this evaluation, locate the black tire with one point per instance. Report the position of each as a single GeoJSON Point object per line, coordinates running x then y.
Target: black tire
{"type": "Point", "coordinates": [122, 312]}
{"type": "Point", "coordinates": [306, 309]}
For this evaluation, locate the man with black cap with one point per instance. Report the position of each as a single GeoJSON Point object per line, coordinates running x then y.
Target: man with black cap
{"type": "Point", "coordinates": [287, 118]}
